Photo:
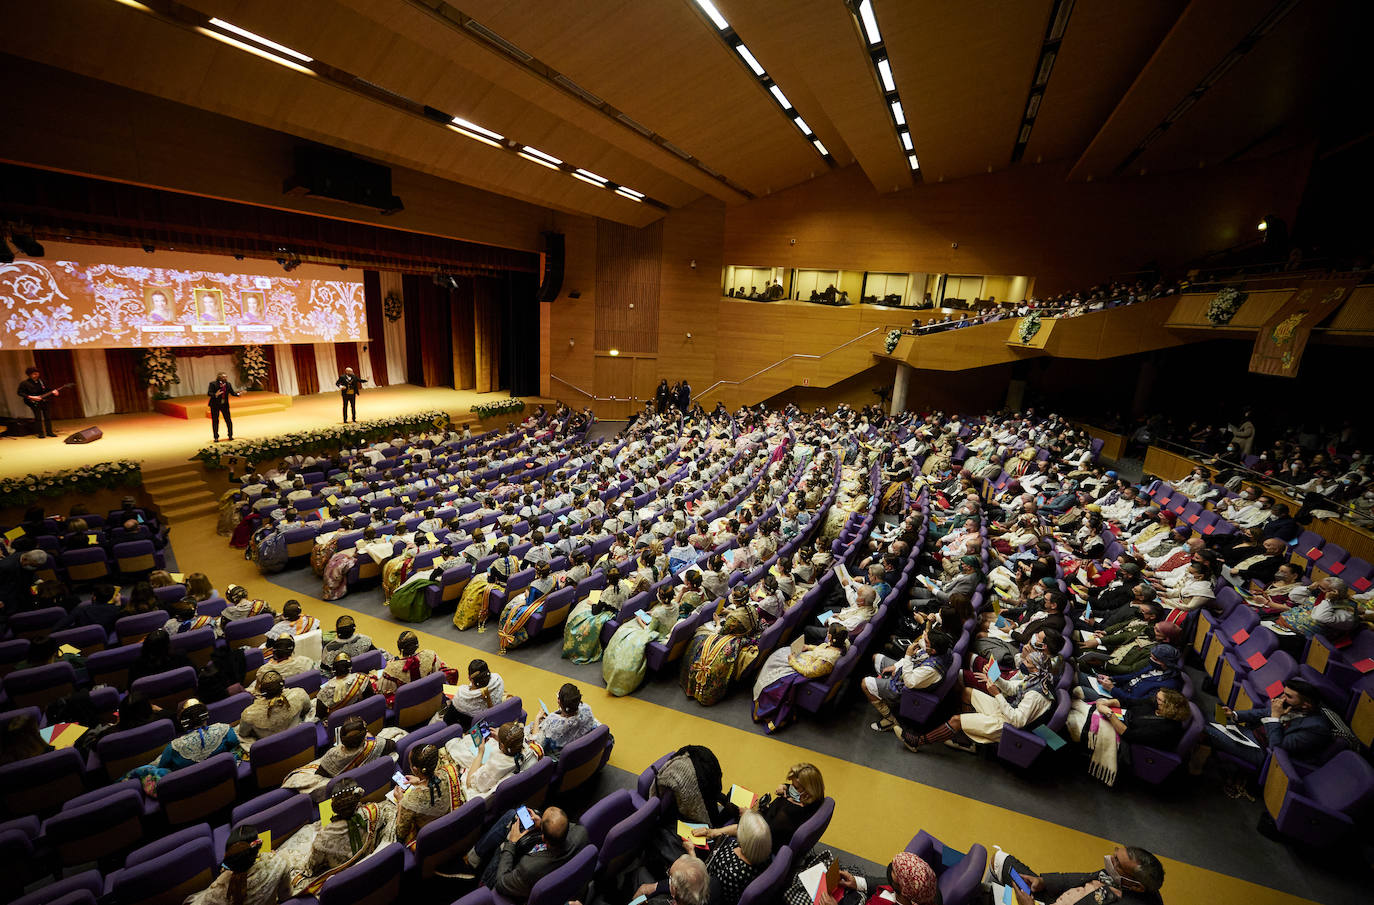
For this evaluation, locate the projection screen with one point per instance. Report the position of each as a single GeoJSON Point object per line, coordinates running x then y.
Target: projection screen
{"type": "Point", "coordinates": [90, 297]}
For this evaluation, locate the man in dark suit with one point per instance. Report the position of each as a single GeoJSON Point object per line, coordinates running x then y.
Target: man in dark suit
{"type": "Point", "coordinates": [1293, 721]}
{"type": "Point", "coordinates": [516, 858]}
{"type": "Point", "coordinates": [350, 385]}
{"type": "Point", "coordinates": [35, 394]}
{"type": "Point", "coordinates": [220, 391]}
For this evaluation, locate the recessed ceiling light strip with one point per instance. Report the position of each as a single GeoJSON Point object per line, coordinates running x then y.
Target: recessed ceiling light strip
{"type": "Point", "coordinates": [866, 18]}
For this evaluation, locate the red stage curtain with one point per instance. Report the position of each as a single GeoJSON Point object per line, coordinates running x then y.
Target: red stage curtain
{"type": "Point", "coordinates": [59, 367]}
{"type": "Point", "coordinates": [307, 376]}
{"type": "Point", "coordinates": [346, 356]}
{"type": "Point", "coordinates": [376, 326]}
{"type": "Point", "coordinates": [130, 395]}
{"type": "Point", "coordinates": [428, 331]}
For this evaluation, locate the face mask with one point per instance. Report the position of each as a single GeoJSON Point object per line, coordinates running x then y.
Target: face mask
{"type": "Point", "coordinates": [792, 794]}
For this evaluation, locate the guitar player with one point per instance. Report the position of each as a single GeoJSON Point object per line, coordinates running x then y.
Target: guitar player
{"type": "Point", "coordinates": [35, 394]}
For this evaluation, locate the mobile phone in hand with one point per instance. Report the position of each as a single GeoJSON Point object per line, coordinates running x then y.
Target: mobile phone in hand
{"type": "Point", "coordinates": [1020, 882]}
{"type": "Point", "coordinates": [525, 817]}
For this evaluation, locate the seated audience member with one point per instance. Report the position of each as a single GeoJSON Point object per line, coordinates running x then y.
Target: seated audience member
{"type": "Point", "coordinates": [156, 656]}
{"type": "Point", "coordinates": [342, 688]}
{"type": "Point", "coordinates": [250, 876]}
{"type": "Point", "coordinates": [20, 740]}
{"type": "Point", "coordinates": [689, 786]}
{"type": "Point", "coordinates": [512, 860]}
{"type": "Point", "coordinates": [347, 640]}
{"type": "Point", "coordinates": [198, 586]}
{"type": "Point", "coordinates": [413, 664]}
{"type": "Point", "coordinates": [199, 741]}
{"type": "Point", "coordinates": [787, 668]}
{"type": "Point", "coordinates": [275, 708]}
{"type": "Point", "coordinates": [924, 665]}
{"type": "Point", "coordinates": [292, 622]}
{"type": "Point", "coordinates": [483, 690]}
{"type": "Point", "coordinates": [503, 753]}
{"type": "Point", "coordinates": [1156, 722]}
{"type": "Point", "coordinates": [1132, 876]}
{"type": "Point", "coordinates": [572, 720]}
{"type": "Point", "coordinates": [734, 863]}
{"type": "Point", "coordinates": [789, 806]}
{"type": "Point", "coordinates": [1293, 722]}
{"type": "Point", "coordinates": [354, 749]}
{"type": "Point", "coordinates": [687, 884]}
{"type": "Point", "coordinates": [355, 830]}
{"type": "Point", "coordinates": [1326, 607]}
{"type": "Point", "coordinates": [241, 606]}
{"type": "Point", "coordinates": [909, 881]}
{"type": "Point", "coordinates": [286, 661]}
{"type": "Point", "coordinates": [435, 789]}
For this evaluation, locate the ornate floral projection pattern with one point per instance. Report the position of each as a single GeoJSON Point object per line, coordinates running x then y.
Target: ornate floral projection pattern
{"type": "Point", "coordinates": [66, 305]}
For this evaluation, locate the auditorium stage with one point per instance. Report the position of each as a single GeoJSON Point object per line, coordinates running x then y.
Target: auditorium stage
{"type": "Point", "coordinates": [159, 441]}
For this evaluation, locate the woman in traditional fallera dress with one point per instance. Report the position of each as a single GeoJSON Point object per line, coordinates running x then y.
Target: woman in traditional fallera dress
{"type": "Point", "coordinates": [354, 831]}
{"type": "Point", "coordinates": [784, 671]}
{"type": "Point", "coordinates": [582, 631]}
{"type": "Point", "coordinates": [623, 666]}
{"type": "Point", "coordinates": [722, 650]}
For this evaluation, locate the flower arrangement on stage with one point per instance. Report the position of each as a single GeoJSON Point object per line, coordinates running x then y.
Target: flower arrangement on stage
{"type": "Point", "coordinates": [158, 370]}
{"type": "Point", "coordinates": [392, 306]}
{"type": "Point", "coordinates": [1030, 325]}
{"type": "Point", "coordinates": [1225, 305]}
{"type": "Point", "coordinates": [893, 337]}
{"type": "Point", "coordinates": [317, 442]}
{"type": "Point", "coordinates": [26, 490]}
{"type": "Point", "coordinates": [252, 364]}
{"type": "Point", "coordinates": [498, 407]}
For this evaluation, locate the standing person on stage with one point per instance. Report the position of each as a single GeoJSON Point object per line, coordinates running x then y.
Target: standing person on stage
{"type": "Point", "coordinates": [220, 391]}
{"type": "Point", "coordinates": [35, 394]}
{"type": "Point", "coordinates": [349, 385]}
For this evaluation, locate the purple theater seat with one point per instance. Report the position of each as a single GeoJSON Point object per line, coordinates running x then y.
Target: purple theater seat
{"type": "Point", "coordinates": [418, 701]}
{"type": "Point", "coordinates": [662, 653]}
{"type": "Point", "coordinates": [166, 878]}
{"type": "Point", "coordinates": [169, 593]}
{"type": "Point", "coordinates": [118, 752]}
{"type": "Point", "coordinates": [919, 705]}
{"type": "Point", "coordinates": [133, 629]}
{"type": "Point", "coordinates": [111, 667]}
{"type": "Point", "coordinates": [13, 652]}
{"type": "Point", "coordinates": [281, 817]}
{"type": "Point", "coordinates": [85, 565]}
{"type": "Point", "coordinates": [1253, 690]}
{"type": "Point", "coordinates": [200, 791]}
{"type": "Point", "coordinates": [136, 558]}
{"type": "Point", "coordinates": [810, 832]}
{"type": "Point", "coordinates": [434, 734]}
{"type": "Point", "coordinates": [959, 881]}
{"type": "Point", "coordinates": [376, 880]}
{"type": "Point", "coordinates": [765, 886]}
{"type": "Point", "coordinates": [197, 645]}
{"type": "Point", "coordinates": [167, 689]}
{"type": "Point", "coordinates": [39, 686]}
{"type": "Point", "coordinates": [564, 883]}
{"type": "Point", "coordinates": [250, 632]}
{"type": "Point", "coordinates": [86, 638]}
{"type": "Point", "coordinates": [620, 825]}
{"type": "Point", "coordinates": [510, 710]}
{"type": "Point", "coordinates": [36, 623]}
{"type": "Point", "coordinates": [1155, 765]}
{"type": "Point", "coordinates": [447, 838]}
{"type": "Point", "coordinates": [553, 613]}
{"type": "Point", "coordinates": [310, 680]}
{"type": "Point", "coordinates": [479, 896]}
{"type": "Point", "coordinates": [278, 754]}
{"type": "Point", "coordinates": [211, 607]}
{"type": "Point", "coordinates": [369, 661]}
{"type": "Point", "coordinates": [373, 777]}
{"type": "Point", "coordinates": [230, 709]}
{"type": "Point", "coordinates": [528, 787]}
{"type": "Point", "coordinates": [93, 830]}
{"type": "Point", "coordinates": [582, 759]}
{"type": "Point", "coordinates": [372, 710]}
{"type": "Point", "coordinates": [1023, 747]}
{"type": "Point", "coordinates": [1319, 806]}
{"type": "Point", "coordinates": [89, 883]}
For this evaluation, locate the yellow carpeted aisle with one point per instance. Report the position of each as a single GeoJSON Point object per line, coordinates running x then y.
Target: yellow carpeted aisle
{"type": "Point", "coordinates": [876, 813]}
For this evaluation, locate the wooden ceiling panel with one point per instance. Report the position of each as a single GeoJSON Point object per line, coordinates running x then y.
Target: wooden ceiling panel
{"type": "Point", "coordinates": [963, 71]}
{"type": "Point", "coordinates": [664, 65]}
{"type": "Point", "coordinates": [1203, 34]}
{"type": "Point", "coordinates": [822, 65]}
{"type": "Point", "coordinates": [1278, 87]}
{"type": "Point", "coordinates": [1103, 50]}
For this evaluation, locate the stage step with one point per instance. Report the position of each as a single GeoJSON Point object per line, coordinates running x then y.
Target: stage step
{"type": "Point", "coordinates": [246, 405]}
{"type": "Point", "coordinates": [181, 492]}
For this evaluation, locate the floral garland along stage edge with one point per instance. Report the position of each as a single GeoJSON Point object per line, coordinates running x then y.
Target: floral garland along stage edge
{"type": "Point", "coordinates": [499, 407]}
{"type": "Point", "coordinates": [25, 490]}
{"type": "Point", "coordinates": [330, 439]}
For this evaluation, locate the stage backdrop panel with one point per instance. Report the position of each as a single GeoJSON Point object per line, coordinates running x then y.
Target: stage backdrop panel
{"type": "Point", "coordinates": [91, 297]}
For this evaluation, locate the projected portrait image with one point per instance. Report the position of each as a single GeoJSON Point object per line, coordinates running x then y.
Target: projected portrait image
{"type": "Point", "coordinates": [157, 305]}
{"type": "Point", "coordinates": [253, 306]}
{"type": "Point", "coordinates": [209, 306]}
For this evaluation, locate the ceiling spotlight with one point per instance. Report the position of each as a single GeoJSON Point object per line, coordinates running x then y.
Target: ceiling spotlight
{"type": "Point", "coordinates": [27, 245]}
{"type": "Point", "coordinates": [1263, 225]}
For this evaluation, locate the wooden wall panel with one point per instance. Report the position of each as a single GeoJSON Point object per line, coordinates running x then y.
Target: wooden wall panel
{"type": "Point", "coordinates": [686, 300]}
{"type": "Point", "coordinates": [574, 318]}
{"type": "Point", "coordinates": [629, 263]}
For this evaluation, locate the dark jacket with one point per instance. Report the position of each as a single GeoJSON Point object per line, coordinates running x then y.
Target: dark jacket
{"type": "Point", "coordinates": [1304, 737]}
{"type": "Point", "coordinates": [213, 393]}
{"type": "Point", "coordinates": [525, 862]}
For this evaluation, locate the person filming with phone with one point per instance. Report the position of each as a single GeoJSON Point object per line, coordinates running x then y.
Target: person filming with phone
{"type": "Point", "coordinates": [522, 847]}
{"type": "Point", "coordinates": [1129, 875]}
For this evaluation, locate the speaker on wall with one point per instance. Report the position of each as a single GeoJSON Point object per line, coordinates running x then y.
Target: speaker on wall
{"type": "Point", "coordinates": [86, 435]}
{"type": "Point", "coordinates": [553, 267]}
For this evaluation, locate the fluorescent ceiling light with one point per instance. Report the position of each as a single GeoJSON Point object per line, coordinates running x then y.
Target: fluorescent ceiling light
{"type": "Point", "coordinates": [820, 147]}
{"type": "Point", "coordinates": [885, 71]}
{"type": "Point", "coordinates": [801, 124]}
{"type": "Point", "coordinates": [749, 59]}
{"type": "Point", "coordinates": [473, 127]}
{"type": "Point", "coordinates": [578, 175]}
{"type": "Point", "coordinates": [782, 98]}
{"type": "Point", "coordinates": [135, 5]}
{"type": "Point", "coordinates": [533, 159]}
{"type": "Point", "coordinates": [906, 139]}
{"type": "Point", "coordinates": [911, 159]}
{"type": "Point", "coordinates": [255, 51]}
{"type": "Point", "coordinates": [898, 114]}
{"type": "Point", "coordinates": [245, 33]}
{"type": "Point", "coordinates": [629, 193]}
{"type": "Point", "coordinates": [474, 136]}
{"type": "Point", "coordinates": [590, 175]}
{"type": "Point", "coordinates": [712, 13]}
{"type": "Point", "coordinates": [548, 158]}
{"type": "Point", "coordinates": [870, 22]}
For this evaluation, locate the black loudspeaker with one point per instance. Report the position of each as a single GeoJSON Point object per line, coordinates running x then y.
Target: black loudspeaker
{"type": "Point", "coordinates": [553, 267]}
{"type": "Point", "coordinates": [86, 435]}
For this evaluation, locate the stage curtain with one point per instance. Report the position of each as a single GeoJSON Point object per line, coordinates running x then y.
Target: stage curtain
{"type": "Point", "coordinates": [271, 384]}
{"type": "Point", "coordinates": [428, 332]}
{"type": "Point", "coordinates": [285, 369]}
{"type": "Point", "coordinates": [364, 367]}
{"type": "Point", "coordinates": [59, 367]}
{"type": "Point", "coordinates": [307, 377]}
{"type": "Point", "coordinates": [394, 332]}
{"type": "Point", "coordinates": [463, 348]}
{"type": "Point", "coordinates": [326, 366]}
{"type": "Point", "coordinates": [197, 372]}
{"type": "Point", "coordinates": [486, 318]}
{"type": "Point", "coordinates": [93, 380]}
{"type": "Point", "coordinates": [520, 335]}
{"type": "Point", "coordinates": [121, 365]}
{"type": "Point", "coordinates": [374, 364]}
{"type": "Point", "coordinates": [12, 365]}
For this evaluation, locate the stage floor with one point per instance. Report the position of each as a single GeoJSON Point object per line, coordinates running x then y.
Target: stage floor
{"type": "Point", "coordinates": [159, 441]}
